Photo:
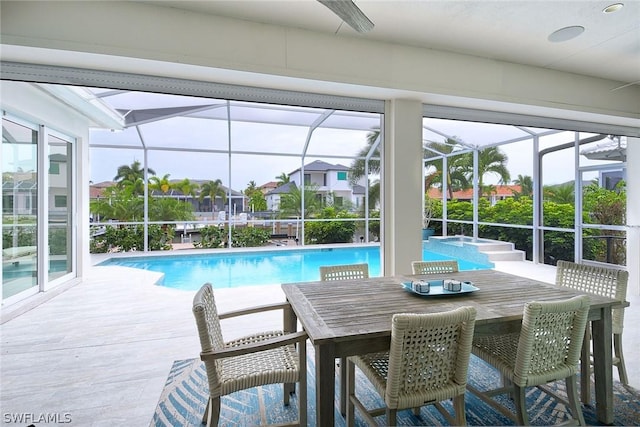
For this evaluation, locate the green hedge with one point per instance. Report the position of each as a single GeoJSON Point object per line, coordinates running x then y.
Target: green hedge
{"type": "Point", "coordinates": [330, 231]}
{"type": "Point", "coordinates": [213, 237]}
{"type": "Point", "coordinates": [600, 205]}
{"type": "Point", "coordinates": [127, 238]}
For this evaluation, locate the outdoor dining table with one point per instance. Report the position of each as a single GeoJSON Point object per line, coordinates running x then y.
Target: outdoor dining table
{"type": "Point", "coordinates": [345, 318]}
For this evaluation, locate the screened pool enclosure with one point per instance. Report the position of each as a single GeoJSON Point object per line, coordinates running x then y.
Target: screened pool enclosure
{"type": "Point", "coordinates": [487, 166]}
{"type": "Point", "coordinates": [230, 171]}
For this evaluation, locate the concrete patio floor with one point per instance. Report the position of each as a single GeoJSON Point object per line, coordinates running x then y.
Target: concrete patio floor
{"type": "Point", "coordinates": [98, 354]}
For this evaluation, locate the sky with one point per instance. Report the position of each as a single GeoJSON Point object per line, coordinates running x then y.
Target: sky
{"type": "Point", "coordinates": [340, 146]}
{"type": "Point", "coordinates": [262, 130]}
{"type": "Point", "coordinates": [558, 168]}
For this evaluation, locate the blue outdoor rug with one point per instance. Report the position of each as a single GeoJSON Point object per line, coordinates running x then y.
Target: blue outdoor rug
{"type": "Point", "coordinates": [185, 395]}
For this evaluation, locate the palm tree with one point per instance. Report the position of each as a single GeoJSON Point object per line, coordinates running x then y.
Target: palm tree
{"type": "Point", "coordinates": [161, 184]}
{"type": "Point", "coordinates": [135, 186]}
{"type": "Point", "coordinates": [489, 189]}
{"type": "Point", "coordinates": [291, 202]}
{"type": "Point", "coordinates": [456, 173]}
{"type": "Point", "coordinates": [490, 160]}
{"type": "Point", "coordinates": [358, 165]}
{"type": "Point", "coordinates": [526, 186]}
{"type": "Point", "coordinates": [131, 173]}
{"type": "Point", "coordinates": [357, 170]}
{"type": "Point", "coordinates": [561, 194]}
{"type": "Point", "coordinates": [170, 209]}
{"type": "Point", "coordinates": [282, 179]}
{"type": "Point", "coordinates": [251, 187]}
{"type": "Point", "coordinates": [374, 193]}
{"type": "Point", "coordinates": [257, 202]}
{"type": "Point", "coordinates": [212, 189]}
{"type": "Point", "coordinates": [186, 187]}
{"type": "Point", "coordinates": [121, 204]}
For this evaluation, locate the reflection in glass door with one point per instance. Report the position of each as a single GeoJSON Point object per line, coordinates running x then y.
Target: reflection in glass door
{"type": "Point", "coordinates": [19, 208]}
{"type": "Point", "coordinates": [60, 207]}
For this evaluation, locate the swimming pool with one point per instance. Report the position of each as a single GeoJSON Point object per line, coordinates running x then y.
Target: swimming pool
{"type": "Point", "coordinates": [232, 270]}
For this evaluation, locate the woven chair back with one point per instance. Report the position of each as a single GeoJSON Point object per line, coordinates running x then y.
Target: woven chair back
{"type": "Point", "coordinates": [596, 280]}
{"type": "Point", "coordinates": [429, 356]}
{"type": "Point", "coordinates": [209, 331]}
{"type": "Point", "coordinates": [434, 267]}
{"type": "Point", "coordinates": [344, 272]}
{"type": "Point", "coordinates": [550, 340]}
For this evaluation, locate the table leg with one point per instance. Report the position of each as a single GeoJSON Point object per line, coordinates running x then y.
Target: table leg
{"type": "Point", "coordinates": [343, 386]}
{"type": "Point", "coordinates": [585, 367]}
{"type": "Point", "coordinates": [325, 384]}
{"type": "Point", "coordinates": [289, 320]}
{"type": "Point", "coordinates": [602, 366]}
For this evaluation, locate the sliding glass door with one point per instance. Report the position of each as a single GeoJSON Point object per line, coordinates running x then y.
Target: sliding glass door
{"type": "Point", "coordinates": [19, 208]}
{"type": "Point", "coordinates": [37, 226]}
{"type": "Point", "coordinates": [60, 206]}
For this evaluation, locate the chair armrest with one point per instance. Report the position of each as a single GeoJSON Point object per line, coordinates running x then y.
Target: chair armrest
{"type": "Point", "coordinates": [269, 344]}
{"type": "Point", "coordinates": [252, 310]}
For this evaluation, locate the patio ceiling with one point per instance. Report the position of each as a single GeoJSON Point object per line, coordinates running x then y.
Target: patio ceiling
{"type": "Point", "coordinates": [519, 32]}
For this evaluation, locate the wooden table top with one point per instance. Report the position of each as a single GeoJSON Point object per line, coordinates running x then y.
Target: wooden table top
{"type": "Point", "coordinates": [362, 309]}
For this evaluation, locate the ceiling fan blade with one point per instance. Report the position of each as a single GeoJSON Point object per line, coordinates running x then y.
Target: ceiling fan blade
{"type": "Point", "coordinates": [349, 13]}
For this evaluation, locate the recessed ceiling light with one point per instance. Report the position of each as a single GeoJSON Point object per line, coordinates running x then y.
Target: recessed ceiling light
{"type": "Point", "coordinates": [566, 33]}
{"type": "Point", "coordinates": [613, 8]}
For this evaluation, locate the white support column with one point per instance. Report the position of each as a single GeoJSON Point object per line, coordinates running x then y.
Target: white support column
{"type": "Point", "coordinates": [82, 162]}
{"type": "Point", "coordinates": [633, 215]}
{"type": "Point", "coordinates": [402, 186]}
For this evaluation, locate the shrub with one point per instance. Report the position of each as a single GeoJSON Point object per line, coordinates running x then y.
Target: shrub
{"type": "Point", "coordinates": [58, 241]}
{"type": "Point", "coordinates": [331, 231]}
{"type": "Point", "coordinates": [247, 237]}
{"type": "Point", "coordinates": [374, 224]}
{"type": "Point", "coordinates": [211, 237]}
{"type": "Point", "coordinates": [26, 233]}
{"type": "Point", "coordinates": [123, 239]}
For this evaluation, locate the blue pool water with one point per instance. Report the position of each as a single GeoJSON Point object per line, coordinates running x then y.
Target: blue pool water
{"type": "Point", "coordinates": [26, 269]}
{"type": "Point", "coordinates": [232, 270]}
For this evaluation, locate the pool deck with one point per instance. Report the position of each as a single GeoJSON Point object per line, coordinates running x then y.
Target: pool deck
{"type": "Point", "coordinates": [101, 350]}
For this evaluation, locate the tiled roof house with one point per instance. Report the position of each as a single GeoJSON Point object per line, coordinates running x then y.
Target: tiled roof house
{"type": "Point", "coordinates": [332, 182]}
{"type": "Point", "coordinates": [500, 192]}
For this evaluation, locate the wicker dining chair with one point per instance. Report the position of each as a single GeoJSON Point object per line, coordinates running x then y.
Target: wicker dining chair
{"type": "Point", "coordinates": [343, 272]}
{"type": "Point", "coordinates": [427, 363]}
{"type": "Point", "coordinates": [603, 281]}
{"type": "Point", "coordinates": [434, 267]}
{"type": "Point", "coordinates": [546, 349]}
{"type": "Point", "coordinates": [263, 358]}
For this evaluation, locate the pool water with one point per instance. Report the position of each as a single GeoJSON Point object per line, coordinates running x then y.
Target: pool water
{"type": "Point", "coordinates": [27, 269]}
{"type": "Point", "coordinates": [232, 270]}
